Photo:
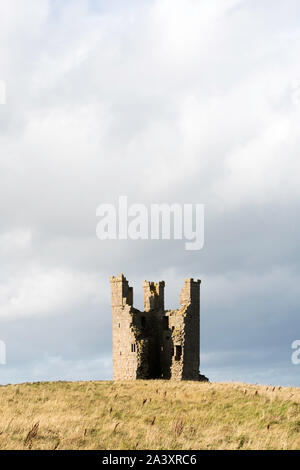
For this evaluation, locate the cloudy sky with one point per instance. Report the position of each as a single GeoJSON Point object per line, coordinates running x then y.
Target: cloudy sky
{"type": "Point", "coordinates": [187, 101]}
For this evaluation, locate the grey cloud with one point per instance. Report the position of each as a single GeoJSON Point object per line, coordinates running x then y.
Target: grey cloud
{"type": "Point", "coordinates": [165, 101]}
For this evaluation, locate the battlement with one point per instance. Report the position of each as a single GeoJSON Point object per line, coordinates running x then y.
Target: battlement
{"type": "Point", "coordinates": [155, 343]}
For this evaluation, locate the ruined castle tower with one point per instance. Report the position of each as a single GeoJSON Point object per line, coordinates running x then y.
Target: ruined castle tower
{"type": "Point", "coordinates": [155, 343]}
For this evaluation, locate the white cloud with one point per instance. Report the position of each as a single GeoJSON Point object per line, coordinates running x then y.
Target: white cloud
{"type": "Point", "coordinates": [11, 243]}
{"type": "Point", "coordinates": [40, 292]}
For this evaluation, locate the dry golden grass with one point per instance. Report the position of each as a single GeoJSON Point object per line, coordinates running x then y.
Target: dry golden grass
{"type": "Point", "coordinates": [148, 415]}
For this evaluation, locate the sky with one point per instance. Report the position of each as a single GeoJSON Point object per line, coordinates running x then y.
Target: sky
{"type": "Point", "coordinates": [164, 101]}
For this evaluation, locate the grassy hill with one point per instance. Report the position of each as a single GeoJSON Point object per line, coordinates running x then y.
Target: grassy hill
{"type": "Point", "coordinates": [148, 415]}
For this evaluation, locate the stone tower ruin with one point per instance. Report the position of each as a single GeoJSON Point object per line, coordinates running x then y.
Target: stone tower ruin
{"type": "Point", "coordinates": [155, 343]}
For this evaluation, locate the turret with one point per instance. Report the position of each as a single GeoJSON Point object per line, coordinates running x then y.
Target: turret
{"type": "Point", "coordinates": [121, 292]}
{"type": "Point", "coordinates": [190, 293]}
{"type": "Point", "coordinates": [154, 295]}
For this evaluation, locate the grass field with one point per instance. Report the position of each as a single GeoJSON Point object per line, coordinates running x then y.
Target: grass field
{"type": "Point", "coordinates": [148, 415]}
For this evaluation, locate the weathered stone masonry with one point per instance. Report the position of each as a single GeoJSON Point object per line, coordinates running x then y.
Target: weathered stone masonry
{"type": "Point", "coordinates": [155, 343]}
